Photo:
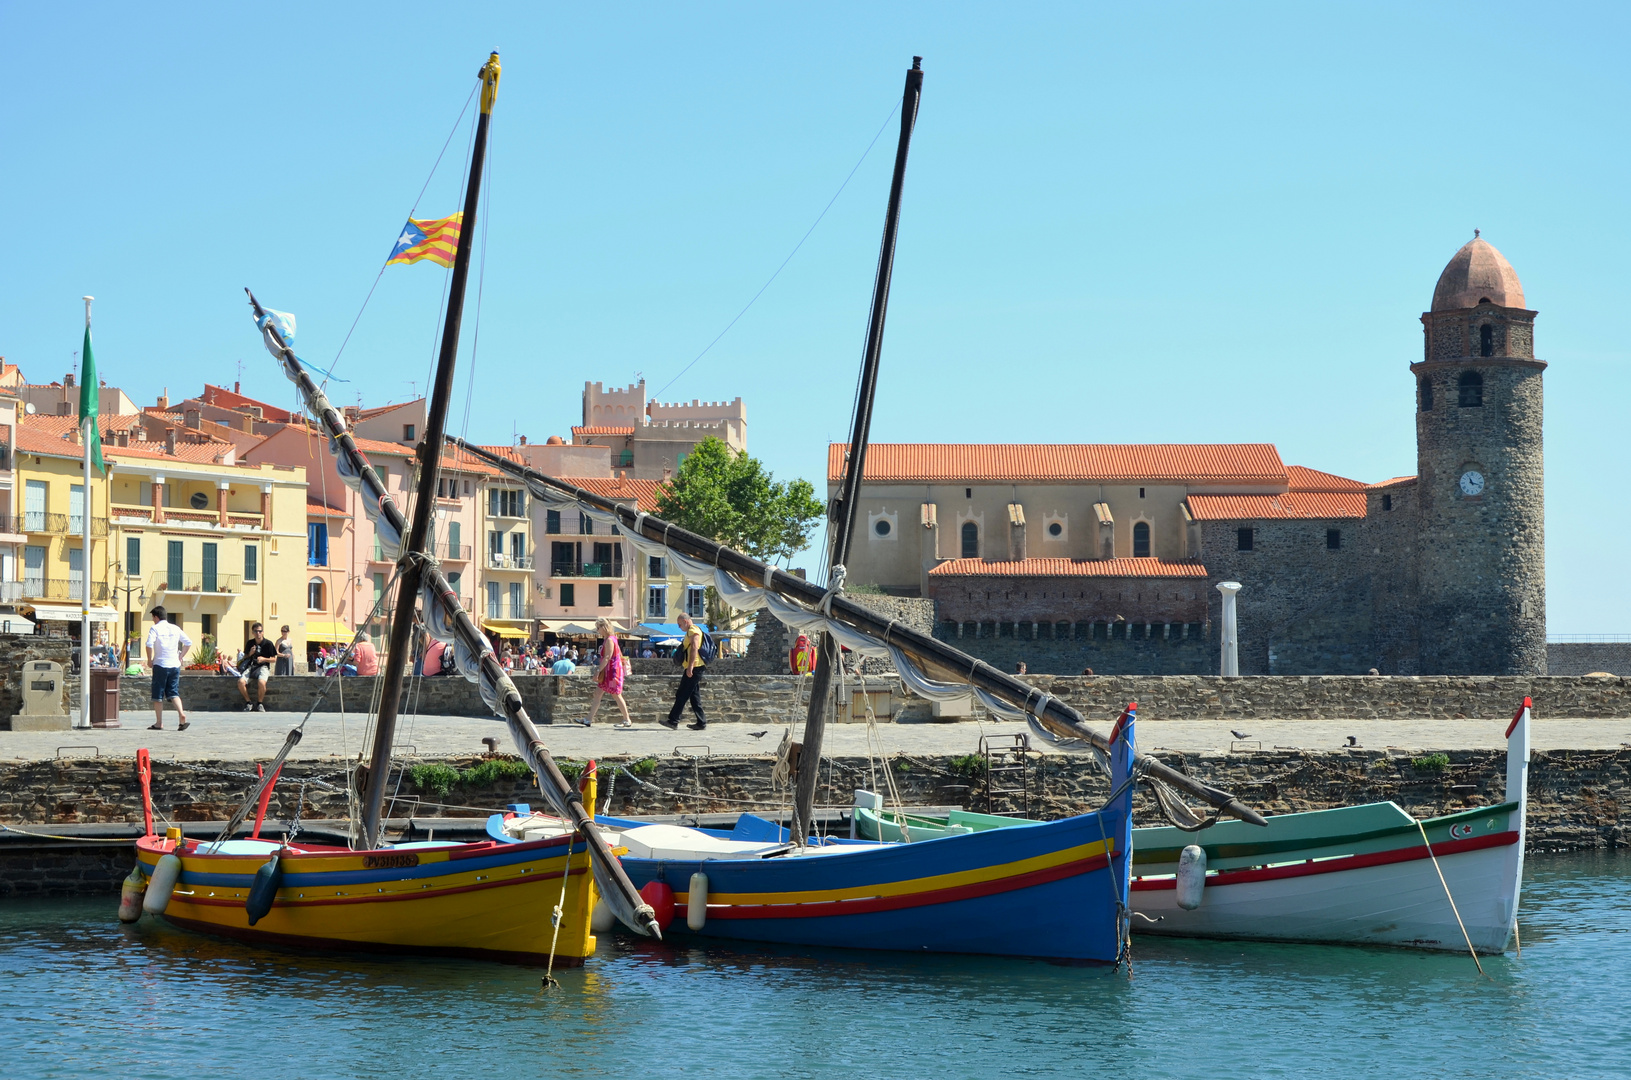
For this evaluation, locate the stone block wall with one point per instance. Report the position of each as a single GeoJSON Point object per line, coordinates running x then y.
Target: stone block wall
{"type": "Point", "coordinates": [1584, 657]}
{"type": "Point", "coordinates": [1067, 649]}
{"type": "Point", "coordinates": [15, 651]}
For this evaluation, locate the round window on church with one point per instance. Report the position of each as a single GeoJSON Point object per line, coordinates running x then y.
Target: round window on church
{"type": "Point", "coordinates": [882, 527]}
{"type": "Point", "coordinates": [1055, 529]}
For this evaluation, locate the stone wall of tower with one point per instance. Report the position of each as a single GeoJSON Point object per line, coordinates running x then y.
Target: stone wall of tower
{"type": "Point", "coordinates": [1388, 539]}
{"type": "Point", "coordinates": [1481, 559]}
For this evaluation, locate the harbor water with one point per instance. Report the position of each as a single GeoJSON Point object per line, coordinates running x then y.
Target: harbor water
{"type": "Point", "coordinates": [81, 995]}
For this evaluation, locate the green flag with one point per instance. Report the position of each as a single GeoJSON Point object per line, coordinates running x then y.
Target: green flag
{"type": "Point", "coordinates": [88, 400]}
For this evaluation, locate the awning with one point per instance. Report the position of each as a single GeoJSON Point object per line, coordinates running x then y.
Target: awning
{"type": "Point", "coordinates": [65, 613]}
{"type": "Point", "coordinates": [649, 629]}
{"type": "Point", "coordinates": [15, 624]}
{"type": "Point", "coordinates": [577, 630]}
{"type": "Point", "coordinates": [510, 628]}
{"type": "Point", "coordinates": [329, 633]}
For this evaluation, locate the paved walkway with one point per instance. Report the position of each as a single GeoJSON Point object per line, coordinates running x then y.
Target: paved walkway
{"type": "Point", "coordinates": [253, 736]}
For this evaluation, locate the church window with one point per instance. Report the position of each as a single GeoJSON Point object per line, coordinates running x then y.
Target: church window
{"type": "Point", "coordinates": [971, 540]}
{"type": "Point", "coordinates": [1486, 340]}
{"type": "Point", "coordinates": [882, 527]}
{"type": "Point", "coordinates": [1141, 540]}
{"type": "Point", "coordinates": [1055, 529]}
{"type": "Point", "coordinates": [1333, 539]}
{"type": "Point", "coordinates": [1427, 395]}
{"type": "Point", "coordinates": [1140, 493]}
{"type": "Point", "coordinates": [968, 493]}
{"type": "Point", "coordinates": [1471, 386]}
{"type": "Point", "coordinates": [1243, 539]}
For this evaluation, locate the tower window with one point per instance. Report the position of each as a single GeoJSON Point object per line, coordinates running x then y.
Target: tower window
{"type": "Point", "coordinates": [1141, 540]}
{"type": "Point", "coordinates": [1333, 539]}
{"type": "Point", "coordinates": [968, 493]}
{"type": "Point", "coordinates": [1486, 340]}
{"type": "Point", "coordinates": [1140, 493]}
{"type": "Point", "coordinates": [1243, 539]}
{"type": "Point", "coordinates": [1427, 395]}
{"type": "Point", "coordinates": [971, 540]}
{"type": "Point", "coordinates": [1387, 502]}
{"type": "Point", "coordinates": [1471, 386]}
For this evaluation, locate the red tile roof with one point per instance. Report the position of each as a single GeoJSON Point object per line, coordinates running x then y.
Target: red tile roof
{"type": "Point", "coordinates": [1150, 568]}
{"type": "Point", "coordinates": [387, 449]}
{"type": "Point", "coordinates": [58, 426]}
{"type": "Point", "coordinates": [210, 453]}
{"type": "Point", "coordinates": [1293, 504]}
{"type": "Point", "coordinates": [314, 509]}
{"type": "Point", "coordinates": [1302, 478]}
{"type": "Point", "coordinates": [1394, 482]}
{"type": "Point", "coordinates": [643, 492]}
{"type": "Point", "coordinates": [231, 399]}
{"type": "Point", "coordinates": [956, 463]}
{"type": "Point", "coordinates": [381, 410]}
{"type": "Point", "coordinates": [576, 431]}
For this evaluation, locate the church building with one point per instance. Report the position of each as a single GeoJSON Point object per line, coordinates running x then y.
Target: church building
{"type": "Point", "coordinates": [1108, 556]}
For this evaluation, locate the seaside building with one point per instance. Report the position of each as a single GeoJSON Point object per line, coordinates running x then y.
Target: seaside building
{"type": "Point", "coordinates": [1067, 556]}
{"type": "Point", "coordinates": [649, 440]}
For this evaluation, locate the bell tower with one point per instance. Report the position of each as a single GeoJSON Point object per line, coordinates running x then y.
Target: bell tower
{"type": "Point", "coordinates": [1481, 535]}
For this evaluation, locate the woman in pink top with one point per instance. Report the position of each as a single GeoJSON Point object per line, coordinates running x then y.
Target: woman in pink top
{"type": "Point", "coordinates": [364, 656]}
{"type": "Point", "coordinates": [608, 675]}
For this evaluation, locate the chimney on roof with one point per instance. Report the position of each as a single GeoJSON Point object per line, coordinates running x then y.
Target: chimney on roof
{"type": "Point", "coordinates": [68, 381]}
{"type": "Point", "coordinates": [164, 398]}
{"type": "Point", "coordinates": [64, 408]}
{"type": "Point", "coordinates": [523, 440]}
{"type": "Point", "coordinates": [235, 387]}
{"type": "Point", "coordinates": [170, 440]}
{"type": "Point", "coordinates": [194, 419]}
{"type": "Point", "coordinates": [249, 424]}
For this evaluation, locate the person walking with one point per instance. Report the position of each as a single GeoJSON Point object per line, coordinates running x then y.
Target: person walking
{"type": "Point", "coordinates": [690, 689]}
{"type": "Point", "coordinates": [166, 645]}
{"type": "Point", "coordinates": [285, 654]}
{"type": "Point", "coordinates": [257, 666]}
{"type": "Point", "coordinates": [608, 675]}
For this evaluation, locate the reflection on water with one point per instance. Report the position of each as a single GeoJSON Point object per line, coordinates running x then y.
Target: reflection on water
{"type": "Point", "coordinates": [84, 996]}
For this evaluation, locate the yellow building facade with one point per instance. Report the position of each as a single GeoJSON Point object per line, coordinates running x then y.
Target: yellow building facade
{"type": "Point", "coordinates": [51, 501]}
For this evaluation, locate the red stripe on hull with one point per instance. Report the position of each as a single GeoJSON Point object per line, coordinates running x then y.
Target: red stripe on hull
{"type": "Point", "coordinates": [260, 937]}
{"type": "Point", "coordinates": [1335, 866]}
{"type": "Point", "coordinates": [829, 908]}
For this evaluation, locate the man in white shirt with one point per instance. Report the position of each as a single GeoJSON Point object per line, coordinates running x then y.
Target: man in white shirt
{"type": "Point", "coordinates": [166, 645]}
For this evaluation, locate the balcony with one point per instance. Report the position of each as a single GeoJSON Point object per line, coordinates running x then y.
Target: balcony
{"type": "Point", "coordinates": [499, 609]}
{"type": "Point", "coordinates": [10, 524]}
{"type": "Point", "coordinates": [452, 552]}
{"type": "Point", "coordinates": [40, 588]}
{"type": "Point", "coordinates": [201, 584]}
{"type": "Point", "coordinates": [37, 521]}
{"type": "Point", "coordinates": [589, 569]}
{"type": "Point", "coordinates": [498, 560]}
{"type": "Point", "coordinates": [10, 591]}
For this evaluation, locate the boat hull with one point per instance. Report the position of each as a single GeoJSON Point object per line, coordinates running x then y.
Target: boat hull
{"type": "Point", "coordinates": [1045, 890]}
{"type": "Point", "coordinates": [487, 901]}
{"type": "Point", "coordinates": [1391, 897]}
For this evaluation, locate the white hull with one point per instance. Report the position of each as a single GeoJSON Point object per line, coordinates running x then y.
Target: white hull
{"type": "Point", "coordinates": [1399, 903]}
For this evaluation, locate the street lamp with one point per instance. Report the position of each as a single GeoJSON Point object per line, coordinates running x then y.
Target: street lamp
{"type": "Point", "coordinates": [141, 598]}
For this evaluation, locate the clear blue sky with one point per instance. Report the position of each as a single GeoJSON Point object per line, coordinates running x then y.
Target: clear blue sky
{"type": "Point", "coordinates": [1180, 223]}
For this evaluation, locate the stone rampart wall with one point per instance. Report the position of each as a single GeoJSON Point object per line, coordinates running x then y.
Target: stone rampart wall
{"type": "Point", "coordinates": [1584, 657]}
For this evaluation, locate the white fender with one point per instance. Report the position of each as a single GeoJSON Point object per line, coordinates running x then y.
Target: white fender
{"type": "Point", "coordinates": [162, 884]}
{"type": "Point", "coordinates": [1191, 877]}
{"type": "Point", "coordinates": [696, 906]}
{"type": "Point", "coordinates": [601, 919]}
{"type": "Point", "coordinates": [130, 895]}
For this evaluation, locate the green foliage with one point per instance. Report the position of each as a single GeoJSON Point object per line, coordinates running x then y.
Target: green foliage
{"type": "Point", "coordinates": [644, 767]}
{"type": "Point", "coordinates": [865, 589]}
{"type": "Point", "coordinates": [730, 497]}
{"type": "Point", "coordinates": [206, 653]}
{"type": "Point", "coordinates": [493, 770]}
{"type": "Point", "coordinates": [1434, 763]}
{"type": "Point", "coordinates": [570, 769]}
{"type": "Point", "coordinates": [434, 779]}
{"type": "Point", "coordinates": [903, 766]}
{"type": "Point", "coordinates": [970, 766]}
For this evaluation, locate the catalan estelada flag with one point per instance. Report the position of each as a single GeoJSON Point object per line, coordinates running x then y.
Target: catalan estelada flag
{"type": "Point", "coordinates": [435, 240]}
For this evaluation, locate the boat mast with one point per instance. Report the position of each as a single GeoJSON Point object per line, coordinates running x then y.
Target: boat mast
{"type": "Point", "coordinates": [411, 560]}
{"type": "Point", "coordinates": [845, 508]}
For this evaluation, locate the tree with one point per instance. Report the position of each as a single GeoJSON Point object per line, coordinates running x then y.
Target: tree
{"type": "Point", "coordinates": [730, 497]}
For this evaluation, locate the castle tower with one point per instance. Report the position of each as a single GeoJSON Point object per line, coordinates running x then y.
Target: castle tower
{"type": "Point", "coordinates": [1481, 538]}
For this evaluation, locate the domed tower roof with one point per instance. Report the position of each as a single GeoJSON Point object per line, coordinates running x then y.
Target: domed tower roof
{"type": "Point", "coordinates": [1475, 274]}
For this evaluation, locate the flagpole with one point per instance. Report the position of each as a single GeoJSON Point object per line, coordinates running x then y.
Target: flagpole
{"type": "Point", "coordinates": [85, 559]}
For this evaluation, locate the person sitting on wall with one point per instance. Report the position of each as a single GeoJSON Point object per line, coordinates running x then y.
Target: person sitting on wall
{"type": "Point", "coordinates": [433, 658]}
{"type": "Point", "coordinates": [365, 656]}
{"type": "Point", "coordinates": [563, 666]}
{"type": "Point", "coordinates": [259, 655]}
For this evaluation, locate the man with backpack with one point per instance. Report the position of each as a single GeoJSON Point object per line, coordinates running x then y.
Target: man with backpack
{"type": "Point", "coordinates": [693, 654]}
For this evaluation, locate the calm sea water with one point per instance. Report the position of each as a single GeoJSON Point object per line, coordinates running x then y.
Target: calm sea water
{"type": "Point", "coordinates": [82, 996]}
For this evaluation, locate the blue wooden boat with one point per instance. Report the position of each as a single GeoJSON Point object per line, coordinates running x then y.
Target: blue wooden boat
{"type": "Point", "coordinates": [1056, 889]}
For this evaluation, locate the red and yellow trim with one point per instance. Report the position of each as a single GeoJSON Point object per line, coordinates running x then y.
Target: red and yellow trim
{"type": "Point", "coordinates": [1332, 866]}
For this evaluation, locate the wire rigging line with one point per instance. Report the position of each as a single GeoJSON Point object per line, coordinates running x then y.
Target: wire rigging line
{"type": "Point", "coordinates": [333, 363]}
{"type": "Point", "coordinates": [785, 261]}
